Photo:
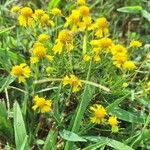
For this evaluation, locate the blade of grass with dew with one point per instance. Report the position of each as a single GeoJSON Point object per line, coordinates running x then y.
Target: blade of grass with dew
{"type": "Point", "coordinates": [19, 128]}
{"type": "Point", "coordinates": [82, 106]}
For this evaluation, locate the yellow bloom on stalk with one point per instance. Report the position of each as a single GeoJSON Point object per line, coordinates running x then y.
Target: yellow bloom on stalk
{"type": "Point", "coordinates": [56, 12]}
{"type": "Point", "coordinates": [86, 58]}
{"type": "Point", "coordinates": [115, 49]}
{"type": "Point", "coordinates": [101, 26]}
{"type": "Point", "coordinates": [73, 20]}
{"type": "Point", "coordinates": [39, 52]}
{"type": "Point", "coordinates": [21, 71]}
{"type": "Point", "coordinates": [26, 17]}
{"type": "Point", "coordinates": [113, 123]}
{"type": "Point", "coordinates": [105, 43]}
{"type": "Point", "coordinates": [135, 44]}
{"type": "Point", "coordinates": [97, 58]}
{"type": "Point", "coordinates": [98, 114]}
{"type": "Point", "coordinates": [38, 14]}
{"type": "Point", "coordinates": [43, 104]}
{"type": "Point", "coordinates": [86, 23]}
{"type": "Point", "coordinates": [73, 81]}
{"type": "Point", "coordinates": [119, 59]}
{"type": "Point", "coordinates": [64, 40]}
{"type": "Point", "coordinates": [81, 2]}
{"type": "Point", "coordinates": [43, 37]}
{"type": "Point", "coordinates": [148, 85]}
{"type": "Point", "coordinates": [46, 21]}
{"type": "Point", "coordinates": [84, 11]}
{"type": "Point", "coordinates": [15, 9]}
{"type": "Point", "coordinates": [129, 65]}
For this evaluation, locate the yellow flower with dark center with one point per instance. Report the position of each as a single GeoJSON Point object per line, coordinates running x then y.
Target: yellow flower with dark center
{"type": "Point", "coordinates": [129, 65]}
{"type": "Point", "coordinates": [73, 81]}
{"type": "Point", "coordinates": [65, 39]}
{"type": "Point", "coordinates": [98, 114]}
{"type": "Point", "coordinates": [43, 104]}
{"type": "Point", "coordinates": [113, 123]}
{"type": "Point", "coordinates": [26, 17]}
{"type": "Point", "coordinates": [43, 37]}
{"type": "Point", "coordinates": [135, 44]}
{"type": "Point", "coordinates": [102, 27]}
{"type": "Point", "coordinates": [21, 71]}
{"type": "Point", "coordinates": [56, 12]}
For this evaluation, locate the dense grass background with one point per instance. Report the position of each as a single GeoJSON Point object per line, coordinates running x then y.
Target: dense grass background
{"type": "Point", "coordinates": [131, 105]}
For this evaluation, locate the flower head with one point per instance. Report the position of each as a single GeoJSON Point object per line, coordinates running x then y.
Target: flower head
{"type": "Point", "coordinates": [15, 9]}
{"type": "Point", "coordinates": [56, 12]}
{"type": "Point", "coordinates": [135, 44]}
{"type": "Point", "coordinates": [21, 71]}
{"type": "Point", "coordinates": [41, 103]}
{"type": "Point", "coordinates": [129, 65]}
{"type": "Point", "coordinates": [86, 58]}
{"type": "Point", "coordinates": [73, 81]}
{"type": "Point", "coordinates": [84, 10]}
{"type": "Point", "coordinates": [81, 2]}
{"type": "Point", "coordinates": [113, 123]}
{"type": "Point", "coordinates": [98, 114]}
{"type": "Point", "coordinates": [43, 37]}
{"type": "Point", "coordinates": [38, 14]}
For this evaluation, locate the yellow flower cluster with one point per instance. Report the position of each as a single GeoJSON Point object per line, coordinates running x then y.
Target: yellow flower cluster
{"type": "Point", "coordinates": [73, 81]}
{"type": "Point", "coordinates": [99, 114]}
{"type": "Point", "coordinates": [43, 104]}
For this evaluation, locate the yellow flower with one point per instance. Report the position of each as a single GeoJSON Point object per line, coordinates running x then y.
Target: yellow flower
{"type": "Point", "coordinates": [98, 114]}
{"type": "Point", "coordinates": [86, 58]}
{"type": "Point", "coordinates": [113, 123]}
{"type": "Point", "coordinates": [56, 12]}
{"type": "Point", "coordinates": [46, 21]}
{"type": "Point", "coordinates": [73, 81]}
{"type": "Point", "coordinates": [21, 71]}
{"type": "Point", "coordinates": [86, 23]}
{"type": "Point", "coordinates": [105, 43]}
{"type": "Point", "coordinates": [135, 44]}
{"type": "Point", "coordinates": [129, 65]}
{"type": "Point", "coordinates": [97, 58]}
{"type": "Point", "coordinates": [65, 39]}
{"type": "Point", "coordinates": [84, 10]}
{"type": "Point", "coordinates": [43, 37]}
{"type": "Point", "coordinates": [34, 60]}
{"type": "Point", "coordinates": [119, 59]}
{"type": "Point", "coordinates": [81, 2]}
{"type": "Point", "coordinates": [38, 14]}
{"type": "Point", "coordinates": [125, 85]}
{"type": "Point", "coordinates": [148, 85]}
{"type": "Point", "coordinates": [26, 17]}
{"type": "Point", "coordinates": [43, 104]}
{"type": "Point", "coordinates": [73, 20]}
{"type": "Point", "coordinates": [39, 51]}
{"type": "Point", "coordinates": [15, 9]}
{"type": "Point", "coordinates": [101, 26]}
{"type": "Point", "coordinates": [115, 49]}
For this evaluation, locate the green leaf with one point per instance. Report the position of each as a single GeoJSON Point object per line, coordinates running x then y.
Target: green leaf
{"type": "Point", "coordinates": [5, 82]}
{"type": "Point", "coordinates": [146, 15]}
{"type": "Point", "coordinates": [6, 29]}
{"type": "Point", "coordinates": [50, 142]}
{"type": "Point", "coordinates": [110, 142]}
{"type": "Point", "coordinates": [53, 3]}
{"type": "Point", "coordinates": [70, 136]}
{"type": "Point", "coordinates": [19, 128]}
{"type": "Point", "coordinates": [126, 115]}
{"type": "Point", "coordinates": [130, 9]}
